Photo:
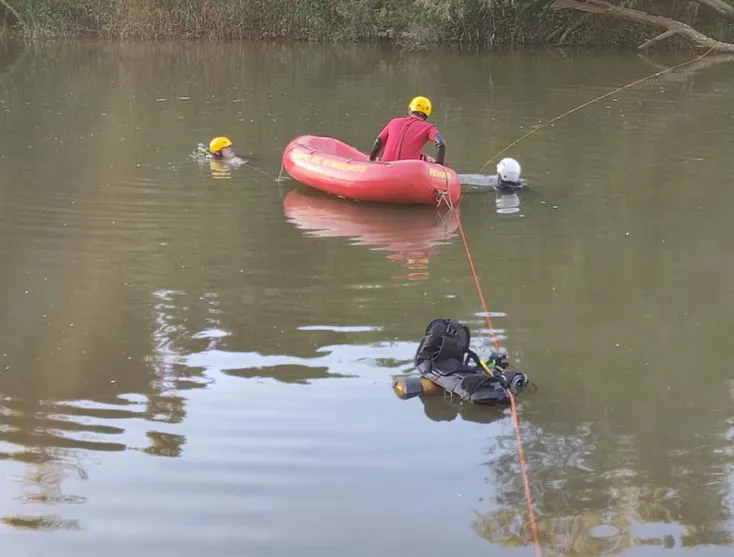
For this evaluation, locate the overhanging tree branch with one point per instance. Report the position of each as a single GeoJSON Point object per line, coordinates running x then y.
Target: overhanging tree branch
{"type": "Point", "coordinates": [671, 26]}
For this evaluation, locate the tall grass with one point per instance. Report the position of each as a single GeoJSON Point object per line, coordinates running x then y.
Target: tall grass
{"type": "Point", "coordinates": [410, 23]}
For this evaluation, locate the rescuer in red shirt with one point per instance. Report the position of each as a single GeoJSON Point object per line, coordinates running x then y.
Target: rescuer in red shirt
{"type": "Point", "coordinates": [404, 137]}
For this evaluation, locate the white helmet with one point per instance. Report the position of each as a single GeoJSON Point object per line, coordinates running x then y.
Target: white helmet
{"type": "Point", "coordinates": [508, 170]}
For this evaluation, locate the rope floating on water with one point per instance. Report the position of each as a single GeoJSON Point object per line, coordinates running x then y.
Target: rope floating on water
{"type": "Point", "coordinates": [513, 406]}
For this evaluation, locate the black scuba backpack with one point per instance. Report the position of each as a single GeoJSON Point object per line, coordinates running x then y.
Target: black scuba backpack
{"type": "Point", "coordinates": [443, 356]}
{"type": "Point", "coordinates": [445, 348]}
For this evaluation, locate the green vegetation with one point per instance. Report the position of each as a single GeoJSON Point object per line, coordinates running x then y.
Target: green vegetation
{"type": "Point", "coordinates": [408, 23]}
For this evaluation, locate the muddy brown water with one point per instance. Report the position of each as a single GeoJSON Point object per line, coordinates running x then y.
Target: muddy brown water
{"type": "Point", "coordinates": [199, 362]}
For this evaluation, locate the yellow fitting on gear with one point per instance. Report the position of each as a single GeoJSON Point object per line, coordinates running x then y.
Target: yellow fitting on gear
{"type": "Point", "coordinates": [429, 387]}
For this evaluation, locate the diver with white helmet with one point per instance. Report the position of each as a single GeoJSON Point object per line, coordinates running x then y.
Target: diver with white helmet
{"type": "Point", "coordinates": [506, 183]}
{"type": "Point", "coordinates": [507, 177]}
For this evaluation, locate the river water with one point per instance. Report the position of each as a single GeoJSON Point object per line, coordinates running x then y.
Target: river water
{"type": "Point", "coordinates": [196, 361]}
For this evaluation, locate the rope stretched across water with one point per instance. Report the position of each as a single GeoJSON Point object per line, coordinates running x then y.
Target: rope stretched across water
{"type": "Point", "coordinates": [592, 101]}
{"type": "Point", "coordinates": [513, 405]}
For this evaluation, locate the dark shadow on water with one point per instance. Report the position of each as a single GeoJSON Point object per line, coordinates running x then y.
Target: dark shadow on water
{"type": "Point", "coordinates": [164, 444]}
{"type": "Point", "coordinates": [27, 457]}
{"type": "Point", "coordinates": [302, 375]}
{"type": "Point", "coordinates": [41, 523]}
{"type": "Point", "coordinates": [440, 408]}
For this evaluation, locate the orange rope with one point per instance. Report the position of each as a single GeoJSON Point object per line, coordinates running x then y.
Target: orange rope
{"type": "Point", "coordinates": [513, 407]}
{"type": "Point", "coordinates": [525, 481]}
{"type": "Point", "coordinates": [479, 288]}
{"type": "Point", "coordinates": [592, 101]}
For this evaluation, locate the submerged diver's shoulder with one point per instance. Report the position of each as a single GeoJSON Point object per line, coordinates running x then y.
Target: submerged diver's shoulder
{"type": "Point", "coordinates": [521, 184]}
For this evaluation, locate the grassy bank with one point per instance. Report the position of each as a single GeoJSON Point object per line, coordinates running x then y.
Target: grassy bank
{"type": "Point", "coordinates": [409, 23]}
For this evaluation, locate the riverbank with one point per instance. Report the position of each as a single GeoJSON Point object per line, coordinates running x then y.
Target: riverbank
{"type": "Point", "coordinates": [410, 24]}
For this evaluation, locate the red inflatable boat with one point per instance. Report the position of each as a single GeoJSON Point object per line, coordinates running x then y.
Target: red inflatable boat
{"type": "Point", "coordinates": [408, 234]}
{"type": "Point", "coordinates": [335, 167]}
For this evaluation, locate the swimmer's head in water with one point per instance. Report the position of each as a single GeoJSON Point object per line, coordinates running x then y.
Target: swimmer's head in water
{"type": "Point", "coordinates": [508, 171]}
{"type": "Point", "coordinates": [221, 147]}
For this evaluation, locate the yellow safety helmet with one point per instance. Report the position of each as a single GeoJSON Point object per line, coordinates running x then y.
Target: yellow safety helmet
{"type": "Point", "coordinates": [219, 143]}
{"type": "Point", "coordinates": [421, 104]}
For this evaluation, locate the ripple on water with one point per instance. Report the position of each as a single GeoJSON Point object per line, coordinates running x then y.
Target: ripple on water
{"type": "Point", "coordinates": [339, 329]}
{"type": "Point", "coordinates": [136, 215]}
{"type": "Point", "coordinates": [263, 466]}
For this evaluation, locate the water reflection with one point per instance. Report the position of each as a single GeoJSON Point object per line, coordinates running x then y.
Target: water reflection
{"type": "Point", "coordinates": [409, 234]}
{"type": "Point", "coordinates": [440, 408]}
{"type": "Point", "coordinates": [334, 360]}
{"type": "Point", "coordinates": [164, 444]}
{"type": "Point", "coordinates": [590, 533]}
{"type": "Point", "coordinates": [130, 284]}
{"type": "Point", "coordinates": [89, 408]}
{"type": "Point", "coordinates": [48, 522]}
{"type": "Point", "coordinates": [596, 497]}
{"type": "Point", "coordinates": [10, 53]}
{"type": "Point", "coordinates": [42, 484]}
{"type": "Point", "coordinates": [507, 203]}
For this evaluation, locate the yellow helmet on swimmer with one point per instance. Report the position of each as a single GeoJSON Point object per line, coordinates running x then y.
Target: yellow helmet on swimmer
{"type": "Point", "coordinates": [219, 143]}
{"type": "Point", "coordinates": [421, 104]}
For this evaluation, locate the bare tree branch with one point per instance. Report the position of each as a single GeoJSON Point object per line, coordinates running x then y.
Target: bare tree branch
{"type": "Point", "coordinates": [14, 13]}
{"type": "Point", "coordinates": [673, 25]}
{"type": "Point", "coordinates": [660, 37]}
